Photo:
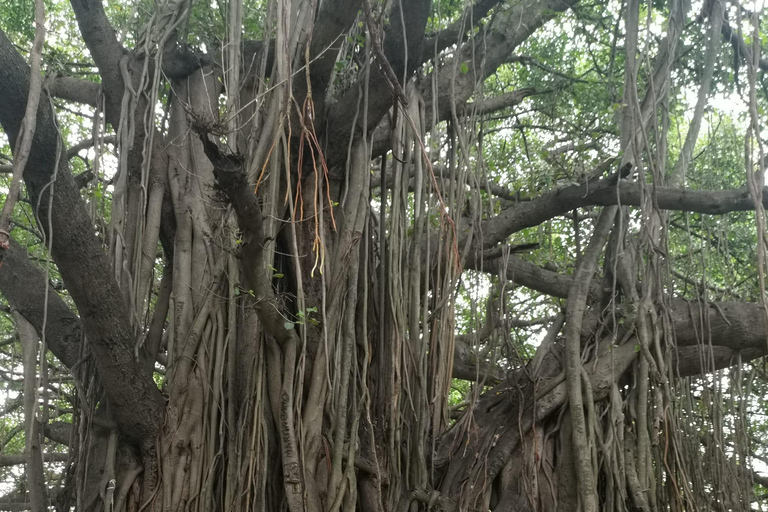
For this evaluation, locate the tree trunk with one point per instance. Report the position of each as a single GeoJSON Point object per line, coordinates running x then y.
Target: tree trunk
{"type": "Point", "coordinates": [299, 351]}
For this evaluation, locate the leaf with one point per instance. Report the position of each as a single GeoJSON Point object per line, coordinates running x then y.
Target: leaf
{"type": "Point", "coordinates": [288, 326]}
{"type": "Point", "coordinates": [464, 68]}
{"type": "Point", "coordinates": [279, 276]}
{"type": "Point", "coordinates": [637, 348]}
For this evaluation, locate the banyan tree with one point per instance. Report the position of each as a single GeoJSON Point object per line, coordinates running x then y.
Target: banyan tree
{"type": "Point", "coordinates": [408, 255]}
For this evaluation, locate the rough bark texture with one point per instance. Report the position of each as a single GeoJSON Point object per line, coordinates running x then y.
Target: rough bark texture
{"type": "Point", "coordinates": [300, 347]}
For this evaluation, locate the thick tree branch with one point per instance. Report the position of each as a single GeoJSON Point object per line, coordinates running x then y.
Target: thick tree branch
{"type": "Point", "coordinates": [134, 398]}
{"type": "Point", "coordinates": [735, 325]}
{"type": "Point", "coordinates": [457, 30]}
{"type": "Point", "coordinates": [403, 44]}
{"type": "Point", "coordinates": [116, 67]}
{"type": "Point", "coordinates": [333, 20]}
{"type": "Point", "coordinates": [496, 103]}
{"type": "Point", "coordinates": [501, 411]}
{"type": "Point", "coordinates": [251, 59]}
{"type": "Point", "coordinates": [467, 367]}
{"type": "Point", "coordinates": [88, 143]}
{"type": "Point", "coordinates": [744, 52]}
{"type": "Point", "coordinates": [15, 506]}
{"type": "Point", "coordinates": [231, 179]}
{"type": "Point", "coordinates": [730, 326]}
{"type": "Point", "coordinates": [106, 50]}
{"type": "Point", "coordinates": [180, 61]}
{"type": "Point", "coordinates": [58, 431]}
{"type": "Point", "coordinates": [23, 283]}
{"type": "Point", "coordinates": [510, 29]}
{"type": "Point", "coordinates": [607, 192]}
{"type": "Point", "coordinates": [73, 89]}
{"type": "Point", "coordinates": [531, 276]}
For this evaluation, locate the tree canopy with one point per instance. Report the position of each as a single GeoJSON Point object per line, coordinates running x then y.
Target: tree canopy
{"type": "Point", "coordinates": [324, 255]}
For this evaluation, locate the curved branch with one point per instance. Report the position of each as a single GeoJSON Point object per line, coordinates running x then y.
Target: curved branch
{"type": "Point", "coordinates": [403, 44]}
{"type": "Point", "coordinates": [608, 192]}
{"type": "Point", "coordinates": [106, 50]}
{"type": "Point", "coordinates": [88, 143]}
{"type": "Point", "coordinates": [496, 103]}
{"type": "Point", "coordinates": [333, 19]}
{"type": "Point", "coordinates": [467, 367]}
{"type": "Point", "coordinates": [737, 41]}
{"type": "Point", "coordinates": [531, 276]}
{"type": "Point", "coordinates": [733, 328]}
{"type": "Point", "coordinates": [231, 179]}
{"type": "Point", "coordinates": [459, 28]}
{"type": "Point", "coordinates": [511, 27]}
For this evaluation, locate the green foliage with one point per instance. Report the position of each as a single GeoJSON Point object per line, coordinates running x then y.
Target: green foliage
{"type": "Point", "coordinates": [459, 391]}
{"type": "Point", "coordinates": [553, 139]}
